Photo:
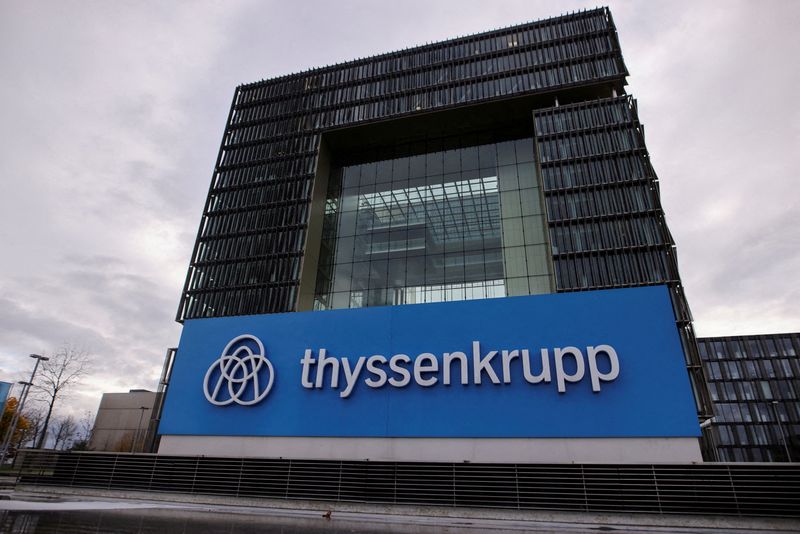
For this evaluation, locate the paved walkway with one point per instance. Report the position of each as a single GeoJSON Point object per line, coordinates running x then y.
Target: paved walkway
{"type": "Point", "coordinates": [50, 513]}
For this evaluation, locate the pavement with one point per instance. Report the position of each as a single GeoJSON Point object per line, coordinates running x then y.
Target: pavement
{"type": "Point", "coordinates": [35, 512]}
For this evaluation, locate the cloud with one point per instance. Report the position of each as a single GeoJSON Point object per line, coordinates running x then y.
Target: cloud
{"type": "Point", "coordinates": [113, 114]}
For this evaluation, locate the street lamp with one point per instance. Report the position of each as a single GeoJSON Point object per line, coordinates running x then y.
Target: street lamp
{"type": "Point", "coordinates": [139, 426]}
{"type": "Point", "coordinates": [780, 427]}
{"type": "Point", "coordinates": [26, 386]}
{"type": "Point", "coordinates": [707, 424]}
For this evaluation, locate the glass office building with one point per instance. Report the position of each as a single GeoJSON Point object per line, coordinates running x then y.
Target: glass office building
{"type": "Point", "coordinates": [506, 163]}
{"type": "Point", "coordinates": [754, 383]}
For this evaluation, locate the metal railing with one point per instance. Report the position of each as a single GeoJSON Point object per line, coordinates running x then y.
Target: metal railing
{"type": "Point", "coordinates": [709, 489]}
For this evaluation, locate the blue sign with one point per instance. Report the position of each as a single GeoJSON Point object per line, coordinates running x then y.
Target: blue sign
{"type": "Point", "coordinates": [5, 389]}
{"type": "Point", "coordinates": [586, 364]}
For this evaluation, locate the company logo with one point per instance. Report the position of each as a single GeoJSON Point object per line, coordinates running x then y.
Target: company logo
{"type": "Point", "coordinates": [242, 374]}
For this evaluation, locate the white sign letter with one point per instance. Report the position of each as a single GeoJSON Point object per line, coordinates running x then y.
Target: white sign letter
{"type": "Point", "coordinates": [480, 365]}
{"type": "Point", "coordinates": [394, 365]}
{"type": "Point", "coordinates": [372, 367]}
{"type": "Point", "coordinates": [561, 378]}
{"type": "Point", "coordinates": [448, 359]}
{"type": "Point", "coordinates": [307, 361]}
{"type": "Point", "coordinates": [544, 376]}
{"type": "Point", "coordinates": [321, 363]}
{"type": "Point", "coordinates": [596, 375]}
{"type": "Point", "coordinates": [351, 376]}
{"type": "Point", "coordinates": [431, 367]}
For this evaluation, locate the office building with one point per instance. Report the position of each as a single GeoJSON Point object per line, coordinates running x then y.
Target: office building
{"type": "Point", "coordinates": [754, 384]}
{"type": "Point", "coordinates": [504, 164]}
{"type": "Point", "coordinates": [123, 422]}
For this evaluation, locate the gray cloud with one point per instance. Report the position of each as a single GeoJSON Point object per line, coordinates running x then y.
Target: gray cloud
{"type": "Point", "coordinates": [113, 112]}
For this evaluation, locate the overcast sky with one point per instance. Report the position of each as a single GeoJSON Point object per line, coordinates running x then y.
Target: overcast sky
{"type": "Point", "coordinates": [111, 115]}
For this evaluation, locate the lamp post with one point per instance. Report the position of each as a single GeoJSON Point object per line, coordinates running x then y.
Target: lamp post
{"type": "Point", "coordinates": [138, 427]}
{"type": "Point", "coordinates": [12, 427]}
{"type": "Point", "coordinates": [707, 424]}
{"type": "Point", "coordinates": [780, 427]}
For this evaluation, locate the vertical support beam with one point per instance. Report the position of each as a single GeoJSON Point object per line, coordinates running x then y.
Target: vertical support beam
{"type": "Point", "coordinates": [316, 218]}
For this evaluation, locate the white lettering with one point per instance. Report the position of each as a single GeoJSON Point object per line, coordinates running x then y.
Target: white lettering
{"type": "Point", "coordinates": [507, 357]}
{"type": "Point", "coordinates": [561, 376]}
{"type": "Point", "coordinates": [394, 365]}
{"type": "Point", "coordinates": [484, 364]}
{"type": "Point", "coordinates": [321, 363]}
{"type": "Point", "coordinates": [448, 360]}
{"type": "Point", "coordinates": [351, 375]}
{"type": "Point", "coordinates": [425, 368]}
{"type": "Point", "coordinates": [372, 367]}
{"type": "Point", "coordinates": [531, 378]}
{"type": "Point", "coordinates": [307, 362]}
{"type": "Point", "coordinates": [431, 367]}
{"type": "Point", "coordinates": [594, 373]}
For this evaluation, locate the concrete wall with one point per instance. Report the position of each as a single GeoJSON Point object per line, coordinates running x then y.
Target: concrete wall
{"type": "Point", "coordinates": [574, 450]}
{"type": "Point", "coordinates": [118, 421]}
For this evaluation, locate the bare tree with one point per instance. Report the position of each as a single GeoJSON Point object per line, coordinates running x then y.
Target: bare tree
{"type": "Point", "coordinates": [64, 429]}
{"type": "Point", "coordinates": [83, 435]}
{"type": "Point", "coordinates": [64, 370]}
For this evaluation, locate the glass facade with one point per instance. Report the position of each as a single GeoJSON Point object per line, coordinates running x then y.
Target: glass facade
{"type": "Point", "coordinates": [459, 221]}
{"type": "Point", "coordinates": [754, 382]}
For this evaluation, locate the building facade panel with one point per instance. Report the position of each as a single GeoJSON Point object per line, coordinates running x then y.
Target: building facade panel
{"type": "Point", "coordinates": [754, 382]}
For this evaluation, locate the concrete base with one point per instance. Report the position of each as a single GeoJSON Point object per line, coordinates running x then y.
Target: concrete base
{"type": "Point", "coordinates": [512, 450]}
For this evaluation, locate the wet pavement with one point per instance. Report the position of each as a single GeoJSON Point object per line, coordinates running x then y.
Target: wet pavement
{"type": "Point", "coordinates": [73, 515]}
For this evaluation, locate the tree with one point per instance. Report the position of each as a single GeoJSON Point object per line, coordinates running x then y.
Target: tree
{"type": "Point", "coordinates": [35, 418]}
{"type": "Point", "coordinates": [64, 429]}
{"type": "Point", "coordinates": [83, 434]}
{"type": "Point", "coordinates": [124, 443]}
{"type": "Point", "coordinates": [63, 371]}
{"type": "Point", "coordinates": [23, 424]}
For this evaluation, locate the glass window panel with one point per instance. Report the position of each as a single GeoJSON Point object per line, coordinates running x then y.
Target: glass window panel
{"type": "Point", "coordinates": [452, 161]}
{"type": "Point", "coordinates": [417, 167]}
{"type": "Point", "coordinates": [527, 175]}
{"type": "Point", "coordinates": [506, 154]}
{"type": "Point", "coordinates": [344, 250]}
{"type": "Point", "coordinates": [539, 285]}
{"type": "Point", "coordinates": [515, 265]}
{"type": "Point", "coordinates": [487, 156]}
{"type": "Point", "coordinates": [347, 224]}
{"type": "Point", "coordinates": [400, 169]}
{"type": "Point", "coordinates": [510, 204]}
{"type": "Point", "coordinates": [538, 258]}
{"type": "Point", "coordinates": [533, 228]}
{"type": "Point", "coordinates": [512, 232]}
{"type": "Point", "coordinates": [507, 178]}
{"type": "Point", "coordinates": [434, 163]}
{"type": "Point", "coordinates": [368, 174]}
{"type": "Point", "coordinates": [469, 158]}
{"type": "Point", "coordinates": [524, 150]}
{"type": "Point", "coordinates": [517, 287]}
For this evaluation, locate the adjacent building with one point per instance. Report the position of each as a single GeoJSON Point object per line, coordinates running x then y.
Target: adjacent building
{"type": "Point", "coordinates": [123, 422]}
{"type": "Point", "coordinates": [507, 163]}
{"type": "Point", "coordinates": [754, 383]}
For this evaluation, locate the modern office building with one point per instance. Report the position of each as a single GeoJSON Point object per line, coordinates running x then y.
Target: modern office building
{"type": "Point", "coordinates": [754, 383]}
{"type": "Point", "coordinates": [503, 164]}
{"type": "Point", "coordinates": [123, 422]}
